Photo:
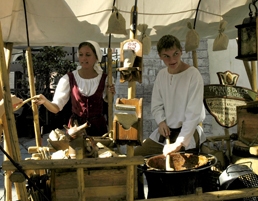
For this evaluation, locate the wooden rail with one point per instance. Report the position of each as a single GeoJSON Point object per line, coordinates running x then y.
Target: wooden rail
{"type": "Point", "coordinates": [75, 163]}
{"type": "Point", "coordinates": [128, 161]}
{"type": "Point", "coordinates": [212, 196]}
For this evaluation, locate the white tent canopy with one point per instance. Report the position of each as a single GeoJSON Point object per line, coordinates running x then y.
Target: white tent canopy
{"type": "Point", "coordinates": [68, 22]}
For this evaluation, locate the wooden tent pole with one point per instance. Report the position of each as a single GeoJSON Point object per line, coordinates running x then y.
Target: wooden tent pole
{"type": "Point", "coordinates": [20, 187]}
{"type": "Point", "coordinates": [131, 94]}
{"type": "Point", "coordinates": [133, 34]}
{"type": "Point", "coordinates": [7, 143]}
{"type": "Point", "coordinates": [33, 93]}
{"type": "Point", "coordinates": [110, 96]}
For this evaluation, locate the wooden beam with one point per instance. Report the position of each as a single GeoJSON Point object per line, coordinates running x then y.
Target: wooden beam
{"type": "Point", "coordinates": [75, 163]}
{"type": "Point", "coordinates": [214, 195]}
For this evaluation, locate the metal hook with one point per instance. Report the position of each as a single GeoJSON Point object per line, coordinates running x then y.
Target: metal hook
{"type": "Point", "coordinates": [256, 9]}
{"type": "Point", "coordinates": [251, 12]}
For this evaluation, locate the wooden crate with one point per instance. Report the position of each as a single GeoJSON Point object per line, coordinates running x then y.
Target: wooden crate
{"type": "Point", "coordinates": [247, 123]}
{"type": "Point", "coordinates": [101, 184]}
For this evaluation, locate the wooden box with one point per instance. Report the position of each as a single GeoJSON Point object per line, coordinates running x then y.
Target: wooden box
{"type": "Point", "coordinates": [101, 184]}
{"type": "Point", "coordinates": [247, 123]}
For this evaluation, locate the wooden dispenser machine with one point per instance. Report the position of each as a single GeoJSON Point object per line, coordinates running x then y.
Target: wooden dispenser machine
{"type": "Point", "coordinates": [128, 122]}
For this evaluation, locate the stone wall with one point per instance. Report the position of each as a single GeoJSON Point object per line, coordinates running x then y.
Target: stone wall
{"type": "Point", "coordinates": [151, 65]}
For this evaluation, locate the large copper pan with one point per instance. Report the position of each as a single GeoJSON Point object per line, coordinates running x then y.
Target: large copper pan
{"type": "Point", "coordinates": [180, 161]}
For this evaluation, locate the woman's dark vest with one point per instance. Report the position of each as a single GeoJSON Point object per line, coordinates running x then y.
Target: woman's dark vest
{"type": "Point", "coordinates": [88, 108]}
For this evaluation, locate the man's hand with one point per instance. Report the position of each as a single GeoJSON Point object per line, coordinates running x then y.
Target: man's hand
{"type": "Point", "coordinates": [171, 148]}
{"type": "Point", "coordinates": [164, 129]}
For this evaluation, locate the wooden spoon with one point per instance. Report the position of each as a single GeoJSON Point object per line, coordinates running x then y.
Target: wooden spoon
{"type": "Point", "coordinates": [168, 168]}
{"type": "Point", "coordinates": [22, 103]}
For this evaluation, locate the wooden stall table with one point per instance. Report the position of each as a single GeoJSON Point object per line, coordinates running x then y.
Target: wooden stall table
{"type": "Point", "coordinates": [100, 183]}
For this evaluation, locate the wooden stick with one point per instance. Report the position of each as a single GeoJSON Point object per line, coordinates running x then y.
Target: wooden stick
{"type": "Point", "coordinates": [32, 94]}
{"type": "Point", "coordinates": [168, 167]}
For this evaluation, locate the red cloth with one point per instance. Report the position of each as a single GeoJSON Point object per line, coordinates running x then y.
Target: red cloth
{"type": "Point", "coordinates": [88, 108]}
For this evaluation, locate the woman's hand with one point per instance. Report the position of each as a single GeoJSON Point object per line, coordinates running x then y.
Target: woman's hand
{"type": "Point", "coordinates": [164, 129]}
{"type": "Point", "coordinates": [39, 99]}
{"type": "Point", "coordinates": [76, 131]}
{"type": "Point", "coordinates": [172, 148]}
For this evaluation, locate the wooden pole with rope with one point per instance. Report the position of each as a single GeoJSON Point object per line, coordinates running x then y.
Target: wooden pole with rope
{"type": "Point", "coordinates": [10, 121]}
{"type": "Point", "coordinates": [110, 95]}
{"type": "Point", "coordinates": [133, 35]}
{"type": "Point", "coordinates": [110, 83]}
{"type": "Point", "coordinates": [31, 83]}
{"type": "Point", "coordinates": [33, 93]}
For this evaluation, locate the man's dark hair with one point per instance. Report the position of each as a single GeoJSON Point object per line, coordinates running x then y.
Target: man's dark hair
{"type": "Point", "coordinates": [167, 42]}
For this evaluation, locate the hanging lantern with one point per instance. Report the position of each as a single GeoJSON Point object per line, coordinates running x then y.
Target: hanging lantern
{"type": "Point", "coordinates": [247, 47]}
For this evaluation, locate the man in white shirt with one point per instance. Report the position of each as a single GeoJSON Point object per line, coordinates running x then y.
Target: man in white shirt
{"type": "Point", "coordinates": [177, 104]}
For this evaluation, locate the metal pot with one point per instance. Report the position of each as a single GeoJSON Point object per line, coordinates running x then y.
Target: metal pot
{"type": "Point", "coordinates": [233, 172]}
{"type": "Point", "coordinates": [162, 183]}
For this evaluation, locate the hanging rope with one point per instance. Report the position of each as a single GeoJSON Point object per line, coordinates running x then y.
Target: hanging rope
{"type": "Point", "coordinates": [134, 21]}
{"type": "Point", "coordinates": [197, 9]}
{"type": "Point", "coordinates": [109, 39]}
{"type": "Point", "coordinates": [26, 23]}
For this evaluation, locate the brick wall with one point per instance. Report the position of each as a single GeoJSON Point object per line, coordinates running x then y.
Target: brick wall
{"type": "Point", "coordinates": [151, 66]}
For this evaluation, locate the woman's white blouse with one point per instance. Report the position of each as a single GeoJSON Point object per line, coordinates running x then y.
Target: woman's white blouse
{"type": "Point", "coordinates": [87, 87]}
